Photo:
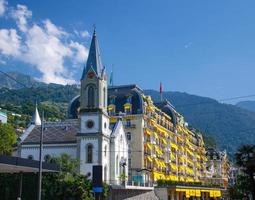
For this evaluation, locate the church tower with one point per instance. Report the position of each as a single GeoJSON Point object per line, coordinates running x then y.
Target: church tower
{"type": "Point", "coordinates": [94, 136]}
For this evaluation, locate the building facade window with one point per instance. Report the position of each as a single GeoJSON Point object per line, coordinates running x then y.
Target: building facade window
{"type": "Point", "coordinates": [128, 136]}
{"type": "Point", "coordinates": [30, 157]}
{"type": "Point", "coordinates": [89, 153]}
{"type": "Point", "coordinates": [128, 122]}
{"type": "Point", "coordinates": [91, 96]}
{"type": "Point", "coordinates": [104, 97]}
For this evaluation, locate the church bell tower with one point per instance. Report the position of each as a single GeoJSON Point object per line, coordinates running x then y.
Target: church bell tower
{"type": "Point", "coordinates": [94, 136]}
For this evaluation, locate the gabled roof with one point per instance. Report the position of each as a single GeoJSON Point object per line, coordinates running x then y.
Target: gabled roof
{"type": "Point", "coordinates": [94, 59]}
{"type": "Point", "coordinates": [116, 128]}
{"type": "Point", "coordinates": [54, 133]}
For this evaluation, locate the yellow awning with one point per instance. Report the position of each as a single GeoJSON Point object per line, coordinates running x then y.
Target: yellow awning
{"type": "Point", "coordinates": [148, 145]}
{"type": "Point", "coordinates": [191, 153]}
{"type": "Point", "coordinates": [158, 150]}
{"type": "Point", "coordinates": [157, 162]}
{"type": "Point", "coordinates": [163, 140]}
{"type": "Point", "coordinates": [127, 105]}
{"type": "Point", "coordinates": [181, 178]}
{"type": "Point", "coordinates": [149, 158]}
{"type": "Point", "coordinates": [156, 135]}
{"type": "Point", "coordinates": [147, 131]}
{"type": "Point", "coordinates": [174, 146]}
{"type": "Point", "coordinates": [173, 166]}
{"type": "Point", "coordinates": [172, 156]}
{"type": "Point", "coordinates": [163, 164]}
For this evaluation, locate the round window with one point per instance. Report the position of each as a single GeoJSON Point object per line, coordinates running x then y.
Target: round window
{"type": "Point", "coordinates": [90, 124]}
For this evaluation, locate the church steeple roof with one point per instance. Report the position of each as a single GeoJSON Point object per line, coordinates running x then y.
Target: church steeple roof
{"type": "Point", "coordinates": [94, 59]}
{"type": "Point", "coordinates": [36, 118]}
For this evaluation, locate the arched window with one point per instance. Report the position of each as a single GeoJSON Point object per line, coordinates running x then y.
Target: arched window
{"type": "Point", "coordinates": [128, 136]}
{"type": "Point", "coordinates": [91, 96]}
{"type": "Point", "coordinates": [104, 97]}
{"type": "Point", "coordinates": [117, 165]}
{"type": "Point", "coordinates": [30, 157]}
{"type": "Point", "coordinates": [89, 153]}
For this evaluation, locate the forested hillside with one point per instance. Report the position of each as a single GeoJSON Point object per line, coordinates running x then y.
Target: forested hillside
{"type": "Point", "coordinates": [230, 125]}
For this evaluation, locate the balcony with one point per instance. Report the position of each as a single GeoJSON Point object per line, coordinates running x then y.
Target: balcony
{"type": "Point", "coordinates": [130, 126]}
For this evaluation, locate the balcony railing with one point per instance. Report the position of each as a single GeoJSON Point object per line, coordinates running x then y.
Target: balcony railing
{"type": "Point", "coordinates": [130, 126]}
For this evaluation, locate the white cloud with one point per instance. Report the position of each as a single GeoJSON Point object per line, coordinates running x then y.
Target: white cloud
{"type": "Point", "coordinates": [80, 51]}
{"type": "Point", "coordinates": [85, 34]}
{"type": "Point", "coordinates": [52, 29]}
{"type": "Point", "coordinates": [46, 51]}
{"type": "Point", "coordinates": [10, 43]}
{"type": "Point", "coordinates": [21, 15]}
{"type": "Point", "coordinates": [44, 46]}
{"type": "Point", "coordinates": [3, 5]}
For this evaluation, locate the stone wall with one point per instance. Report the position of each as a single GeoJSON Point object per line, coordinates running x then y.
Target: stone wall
{"type": "Point", "coordinates": [132, 194]}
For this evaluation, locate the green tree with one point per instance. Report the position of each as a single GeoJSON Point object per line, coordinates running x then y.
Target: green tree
{"type": "Point", "coordinates": [7, 138]}
{"type": "Point", "coordinates": [245, 158]}
{"type": "Point", "coordinates": [241, 188]}
{"type": "Point", "coordinates": [67, 184]}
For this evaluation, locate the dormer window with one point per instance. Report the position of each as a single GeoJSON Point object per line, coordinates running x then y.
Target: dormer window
{"type": "Point", "coordinates": [111, 109]}
{"type": "Point", "coordinates": [128, 108]}
{"type": "Point", "coordinates": [129, 99]}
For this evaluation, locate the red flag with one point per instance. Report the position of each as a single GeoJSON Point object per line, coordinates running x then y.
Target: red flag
{"type": "Point", "coordinates": [160, 88]}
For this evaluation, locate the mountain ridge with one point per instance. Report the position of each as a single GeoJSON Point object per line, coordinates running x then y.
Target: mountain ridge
{"type": "Point", "coordinates": [229, 124]}
{"type": "Point", "coordinates": [248, 105]}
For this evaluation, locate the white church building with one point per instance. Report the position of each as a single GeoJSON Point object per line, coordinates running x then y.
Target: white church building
{"type": "Point", "coordinates": [91, 138]}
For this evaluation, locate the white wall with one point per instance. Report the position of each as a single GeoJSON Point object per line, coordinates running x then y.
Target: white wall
{"type": "Point", "coordinates": [53, 150]}
{"type": "Point", "coordinates": [84, 166]}
{"type": "Point", "coordinates": [84, 119]}
{"type": "Point", "coordinates": [118, 148]}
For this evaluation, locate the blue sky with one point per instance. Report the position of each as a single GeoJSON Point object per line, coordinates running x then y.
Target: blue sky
{"type": "Point", "coordinates": [201, 47]}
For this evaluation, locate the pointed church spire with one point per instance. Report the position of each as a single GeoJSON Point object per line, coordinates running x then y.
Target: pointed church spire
{"type": "Point", "coordinates": [36, 118]}
{"type": "Point", "coordinates": [94, 58]}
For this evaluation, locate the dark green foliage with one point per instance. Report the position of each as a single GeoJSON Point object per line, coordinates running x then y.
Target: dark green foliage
{"type": "Point", "coordinates": [9, 186]}
{"type": "Point", "coordinates": [245, 159]}
{"type": "Point", "coordinates": [64, 185]}
{"type": "Point", "coordinates": [8, 138]}
{"type": "Point", "coordinates": [68, 183]}
{"type": "Point", "coordinates": [241, 188]}
{"type": "Point", "coordinates": [52, 98]}
{"type": "Point", "coordinates": [230, 125]}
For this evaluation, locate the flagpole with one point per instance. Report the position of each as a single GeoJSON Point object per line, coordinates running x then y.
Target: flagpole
{"type": "Point", "coordinates": [161, 92]}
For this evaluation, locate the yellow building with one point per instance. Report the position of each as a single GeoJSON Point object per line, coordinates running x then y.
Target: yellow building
{"type": "Point", "coordinates": [163, 150]}
{"type": "Point", "coordinates": [161, 145]}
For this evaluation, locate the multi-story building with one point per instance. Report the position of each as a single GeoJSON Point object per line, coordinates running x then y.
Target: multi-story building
{"type": "Point", "coordinates": [218, 167]}
{"type": "Point", "coordinates": [161, 144]}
